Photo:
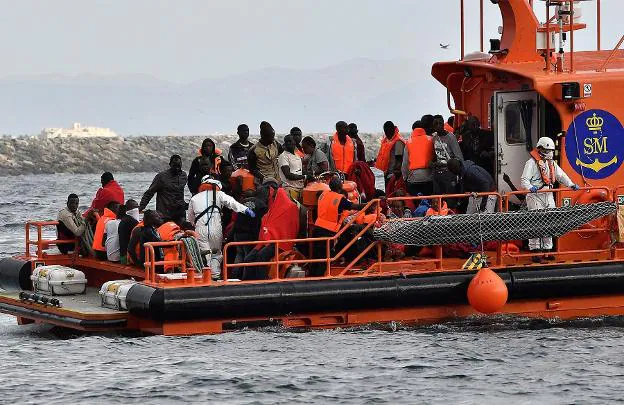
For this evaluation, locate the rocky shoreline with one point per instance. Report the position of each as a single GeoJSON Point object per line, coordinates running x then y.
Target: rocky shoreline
{"type": "Point", "coordinates": [32, 155]}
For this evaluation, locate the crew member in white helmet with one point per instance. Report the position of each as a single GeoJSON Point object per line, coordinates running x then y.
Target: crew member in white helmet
{"type": "Point", "coordinates": [541, 172]}
{"type": "Point", "coordinates": [204, 212]}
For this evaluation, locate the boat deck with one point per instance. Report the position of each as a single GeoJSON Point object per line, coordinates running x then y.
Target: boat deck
{"type": "Point", "coordinates": [83, 311]}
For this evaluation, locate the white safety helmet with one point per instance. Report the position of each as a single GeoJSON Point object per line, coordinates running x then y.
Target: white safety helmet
{"type": "Point", "coordinates": [212, 181]}
{"type": "Point", "coordinates": [546, 143]}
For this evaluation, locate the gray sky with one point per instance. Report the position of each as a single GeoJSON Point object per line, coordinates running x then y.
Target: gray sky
{"type": "Point", "coordinates": [186, 40]}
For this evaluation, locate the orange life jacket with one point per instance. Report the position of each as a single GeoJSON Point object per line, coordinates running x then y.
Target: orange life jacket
{"type": "Point", "coordinates": [383, 157]}
{"type": "Point", "coordinates": [217, 162]}
{"type": "Point", "coordinates": [443, 211]}
{"type": "Point", "coordinates": [167, 232]}
{"type": "Point", "coordinates": [343, 155]}
{"type": "Point", "coordinates": [100, 228]}
{"type": "Point", "coordinates": [299, 153]}
{"type": "Point", "coordinates": [328, 217]}
{"type": "Point", "coordinates": [137, 248]}
{"type": "Point", "coordinates": [369, 218]}
{"type": "Point", "coordinates": [419, 149]}
{"type": "Point", "coordinates": [448, 128]}
{"type": "Point", "coordinates": [547, 178]}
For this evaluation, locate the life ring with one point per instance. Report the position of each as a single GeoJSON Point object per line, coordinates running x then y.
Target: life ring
{"type": "Point", "coordinates": [592, 197]}
{"type": "Point", "coordinates": [283, 268]}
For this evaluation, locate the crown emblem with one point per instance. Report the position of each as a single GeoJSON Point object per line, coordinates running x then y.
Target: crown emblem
{"type": "Point", "coordinates": [594, 123]}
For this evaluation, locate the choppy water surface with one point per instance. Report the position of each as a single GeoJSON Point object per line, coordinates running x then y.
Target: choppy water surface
{"type": "Point", "coordinates": [499, 360]}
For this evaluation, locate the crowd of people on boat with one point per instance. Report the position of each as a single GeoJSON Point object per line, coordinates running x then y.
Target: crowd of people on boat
{"type": "Point", "coordinates": [266, 203]}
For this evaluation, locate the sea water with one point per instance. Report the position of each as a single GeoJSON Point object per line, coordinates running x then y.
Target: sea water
{"type": "Point", "coordinates": [477, 361]}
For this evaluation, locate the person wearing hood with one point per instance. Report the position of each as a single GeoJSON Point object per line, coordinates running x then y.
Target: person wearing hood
{"type": "Point", "coordinates": [204, 212]}
{"type": "Point", "coordinates": [209, 155]}
{"type": "Point", "coordinates": [110, 191]}
{"type": "Point", "coordinates": [168, 186]}
{"type": "Point", "coordinates": [417, 161]}
{"type": "Point", "coordinates": [127, 222]}
{"type": "Point", "coordinates": [262, 157]}
{"type": "Point", "coordinates": [390, 154]}
{"type": "Point", "coordinates": [239, 149]}
{"type": "Point", "coordinates": [542, 172]}
{"type": "Point", "coordinates": [340, 149]}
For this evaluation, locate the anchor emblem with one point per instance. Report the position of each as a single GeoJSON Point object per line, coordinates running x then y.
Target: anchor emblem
{"type": "Point", "coordinates": [597, 165]}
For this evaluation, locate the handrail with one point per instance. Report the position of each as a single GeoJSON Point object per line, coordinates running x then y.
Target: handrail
{"type": "Point", "coordinates": [40, 243]}
{"type": "Point", "coordinates": [603, 68]}
{"type": "Point", "coordinates": [151, 262]}
{"type": "Point", "coordinates": [328, 260]}
{"type": "Point", "coordinates": [557, 192]}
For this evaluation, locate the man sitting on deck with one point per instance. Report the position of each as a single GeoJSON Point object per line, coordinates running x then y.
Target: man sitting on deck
{"type": "Point", "coordinates": [142, 234]}
{"type": "Point", "coordinates": [71, 225]}
{"type": "Point", "coordinates": [128, 221]}
{"type": "Point", "coordinates": [110, 213]}
{"type": "Point", "coordinates": [109, 192]}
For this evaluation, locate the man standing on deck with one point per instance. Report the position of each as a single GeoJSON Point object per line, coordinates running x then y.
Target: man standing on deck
{"type": "Point", "coordinates": [239, 149]}
{"type": "Point", "coordinates": [297, 135]}
{"type": "Point", "coordinates": [204, 213]}
{"type": "Point", "coordinates": [541, 172]}
{"type": "Point", "coordinates": [445, 148]}
{"type": "Point", "coordinates": [168, 186]}
{"type": "Point", "coordinates": [390, 156]}
{"type": "Point", "coordinates": [291, 169]}
{"type": "Point", "coordinates": [340, 149]}
{"type": "Point", "coordinates": [359, 145]}
{"type": "Point", "coordinates": [262, 157]}
{"type": "Point", "coordinates": [416, 165]}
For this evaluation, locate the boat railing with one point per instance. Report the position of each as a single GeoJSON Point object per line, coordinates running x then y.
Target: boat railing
{"type": "Point", "coordinates": [347, 268]}
{"type": "Point", "coordinates": [564, 197]}
{"type": "Point", "coordinates": [41, 243]}
{"type": "Point", "coordinates": [192, 276]}
{"type": "Point", "coordinates": [276, 262]}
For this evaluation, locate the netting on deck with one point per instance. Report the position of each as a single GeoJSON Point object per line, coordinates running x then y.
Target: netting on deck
{"type": "Point", "coordinates": [473, 228]}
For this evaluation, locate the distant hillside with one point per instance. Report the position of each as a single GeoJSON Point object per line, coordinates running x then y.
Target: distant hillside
{"type": "Point", "coordinates": [366, 91]}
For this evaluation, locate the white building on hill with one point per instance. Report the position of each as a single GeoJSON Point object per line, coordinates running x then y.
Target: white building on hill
{"type": "Point", "coordinates": [77, 131]}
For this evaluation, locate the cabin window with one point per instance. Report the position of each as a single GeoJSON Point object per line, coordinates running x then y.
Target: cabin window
{"type": "Point", "coordinates": [515, 132]}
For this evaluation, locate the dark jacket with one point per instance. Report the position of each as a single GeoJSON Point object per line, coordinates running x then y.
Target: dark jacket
{"type": "Point", "coordinates": [141, 236]}
{"type": "Point", "coordinates": [476, 179]}
{"type": "Point", "coordinates": [169, 190]}
{"type": "Point", "coordinates": [238, 155]}
{"type": "Point", "coordinates": [247, 228]}
{"type": "Point", "coordinates": [126, 225]}
{"type": "Point", "coordinates": [360, 149]}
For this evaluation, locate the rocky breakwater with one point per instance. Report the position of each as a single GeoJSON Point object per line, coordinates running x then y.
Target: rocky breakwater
{"type": "Point", "coordinates": [32, 155]}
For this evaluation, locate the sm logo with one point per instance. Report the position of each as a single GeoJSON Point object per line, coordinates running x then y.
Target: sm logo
{"type": "Point", "coordinates": [595, 144]}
